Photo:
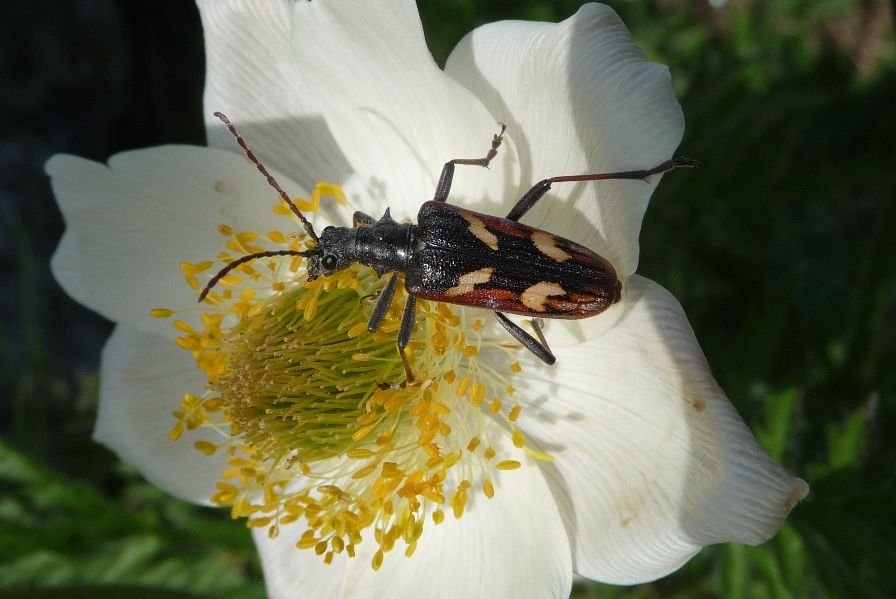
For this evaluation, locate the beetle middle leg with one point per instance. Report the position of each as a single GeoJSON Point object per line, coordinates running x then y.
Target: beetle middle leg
{"type": "Point", "coordinates": [404, 335]}
{"type": "Point", "coordinates": [444, 184]}
{"type": "Point", "coordinates": [539, 346]}
{"type": "Point", "coordinates": [538, 190]}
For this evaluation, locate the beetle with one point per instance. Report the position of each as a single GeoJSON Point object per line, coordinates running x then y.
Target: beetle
{"type": "Point", "coordinates": [459, 256]}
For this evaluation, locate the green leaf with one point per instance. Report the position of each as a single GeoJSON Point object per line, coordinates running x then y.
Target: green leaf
{"type": "Point", "coordinates": [847, 441]}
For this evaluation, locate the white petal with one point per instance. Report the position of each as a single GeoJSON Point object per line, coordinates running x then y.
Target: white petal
{"type": "Point", "coordinates": [129, 225]}
{"type": "Point", "coordinates": [143, 378]}
{"type": "Point", "coordinates": [652, 460]}
{"type": "Point", "coordinates": [578, 97]}
{"type": "Point", "coordinates": [252, 76]}
{"type": "Point", "coordinates": [291, 573]}
{"type": "Point", "coordinates": [347, 92]}
{"type": "Point", "coordinates": [512, 545]}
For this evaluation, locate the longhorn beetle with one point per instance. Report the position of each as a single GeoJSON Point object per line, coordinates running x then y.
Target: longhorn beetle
{"type": "Point", "coordinates": [463, 257]}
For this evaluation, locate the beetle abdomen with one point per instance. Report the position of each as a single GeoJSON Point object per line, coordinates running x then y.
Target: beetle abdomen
{"type": "Point", "coordinates": [468, 258]}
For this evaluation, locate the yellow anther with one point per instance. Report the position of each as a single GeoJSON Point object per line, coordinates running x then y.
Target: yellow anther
{"type": "Point", "coordinates": [206, 447]}
{"type": "Point", "coordinates": [477, 394]}
{"type": "Point", "coordinates": [362, 432]}
{"type": "Point", "coordinates": [202, 266]}
{"type": "Point", "coordinates": [377, 560]}
{"type": "Point", "coordinates": [191, 280]}
{"type": "Point", "coordinates": [338, 544]}
{"type": "Point", "coordinates": [364, 472]}
{"type": "Point", "coordinates": [359, 453]}
{"type": "Point", "coordinates": [176, 431]}
{"type": "Point", "coordinates": [357, 329]}
{"type": "Point", "coordinates": [246, 236]}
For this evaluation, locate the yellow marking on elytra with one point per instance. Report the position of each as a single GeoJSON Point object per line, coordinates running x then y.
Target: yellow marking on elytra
{"type": "Point", "coordinates": [535, 296]}
{"type": "Point", "coordinates": [466, 282]}
{"type": "Point", "coordinates": [547, 245]}
{"type": "Point", "coordinates": [480, 231]}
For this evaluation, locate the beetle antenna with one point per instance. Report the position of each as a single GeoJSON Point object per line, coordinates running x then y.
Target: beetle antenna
{"type": "Point", "coordinates": [271, 181]}
{"type": "Point", "coordinates": [248, 258]}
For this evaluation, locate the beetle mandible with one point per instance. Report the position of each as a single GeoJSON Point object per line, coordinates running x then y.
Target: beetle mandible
{"type": "Point", "coordinates": [458, 256]}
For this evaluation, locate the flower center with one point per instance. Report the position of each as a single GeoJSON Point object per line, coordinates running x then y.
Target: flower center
{"type": "Point", "coordinates": [306, 403]}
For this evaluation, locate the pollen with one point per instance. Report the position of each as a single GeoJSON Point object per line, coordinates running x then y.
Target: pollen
{"type": "Point", "coordinates": [319, 427]}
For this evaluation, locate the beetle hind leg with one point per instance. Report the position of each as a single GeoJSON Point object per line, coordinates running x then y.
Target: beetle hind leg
{"type": "Point", "coordinates": [531, 197]}
{"type": "Point", "coordinates": [539, 346]}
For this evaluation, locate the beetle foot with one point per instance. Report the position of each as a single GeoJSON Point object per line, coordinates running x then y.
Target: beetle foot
{"type": "Point", "coordinates": [405, 384]}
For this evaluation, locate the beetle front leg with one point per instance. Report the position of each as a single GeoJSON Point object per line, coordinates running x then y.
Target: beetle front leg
{"type": "Point", "coordinates": [538, 190]}
{"type": "Point", "coordinates": [539, 348]}
{"type": "Point", "coordinates": [444, 184]}
{"type": "Point", "coordinates": [382, 305]}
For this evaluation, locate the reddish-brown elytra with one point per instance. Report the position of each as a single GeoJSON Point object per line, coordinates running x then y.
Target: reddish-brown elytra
{"type": "Point", "coordinates": [463, 257]}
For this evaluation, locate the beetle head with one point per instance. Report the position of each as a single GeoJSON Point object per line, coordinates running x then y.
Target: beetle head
{"type": "Point", "coordinates": [335, 252]}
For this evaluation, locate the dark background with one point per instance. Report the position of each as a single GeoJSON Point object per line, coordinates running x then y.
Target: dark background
{"type": "Point", "coordinates": [782, 250]}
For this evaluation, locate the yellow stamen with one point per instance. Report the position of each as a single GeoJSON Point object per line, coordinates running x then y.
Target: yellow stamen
{"type": "Point", "coordinates": [309, 410]}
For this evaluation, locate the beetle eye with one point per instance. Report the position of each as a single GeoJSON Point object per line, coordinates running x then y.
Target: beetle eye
{"type": "Point", "coordinates": [328, 262]}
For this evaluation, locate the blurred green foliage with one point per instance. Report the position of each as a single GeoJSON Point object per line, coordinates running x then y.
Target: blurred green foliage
{"type": "Point", "coordinates": [782, 249]}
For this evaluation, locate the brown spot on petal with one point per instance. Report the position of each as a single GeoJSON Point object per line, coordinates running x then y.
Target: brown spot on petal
{"type": "Point", "coordinates": [798, 493]}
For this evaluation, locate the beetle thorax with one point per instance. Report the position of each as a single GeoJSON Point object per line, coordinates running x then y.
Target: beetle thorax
{"type": "Point", "coordinates": [384, 246]}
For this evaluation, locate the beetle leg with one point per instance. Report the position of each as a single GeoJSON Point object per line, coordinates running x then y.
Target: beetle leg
{"type": "Point", "coordinates": [382, 304]}
{"type": "Point", "coordinates": [539, 189]}
{"type": "Point", "coordinates": [537, 323]}
{"type": "Point", "coordinates": [404, 335]}
{"type": "Point", "coordinates": [444, 184]}
{"type": "Point", "coordinates": [370, 296]}
{"type": "Point", "coordinates": [540, 349]}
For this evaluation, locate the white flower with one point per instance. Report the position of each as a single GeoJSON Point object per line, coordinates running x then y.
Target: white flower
{"type": "Point", "coordinates": [631, 457]}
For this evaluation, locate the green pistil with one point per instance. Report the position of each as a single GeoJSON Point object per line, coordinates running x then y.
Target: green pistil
{"type": "Point", "coordinates": [293, 387]}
